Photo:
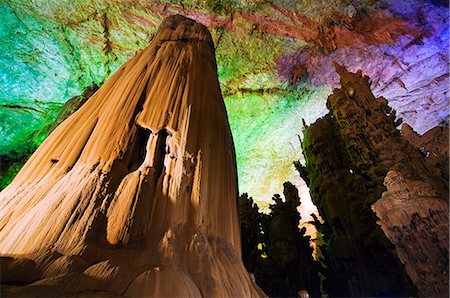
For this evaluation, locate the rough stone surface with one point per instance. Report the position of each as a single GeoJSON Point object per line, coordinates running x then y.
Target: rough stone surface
{"type": "Point", "coordinates": [135, 194]}
{"type": "Point", "coordinates": [434, 142]}
{"type": "Point", "coordinates": [406, 58]}
{"type": "Point", "coordinates": [72, 105]}
{"type": "Point", "coordinates": [415, 218]}
{"type": "Point", "coordinates": [276, 250]}
{"type": "Point", "coordinates": [52, 51]}
{"type": "Point", "coordinates": [350, 153]}
{"type": "Point", "coordinates": [357, 257]}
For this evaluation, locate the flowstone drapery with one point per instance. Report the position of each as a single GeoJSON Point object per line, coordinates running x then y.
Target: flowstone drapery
{"type": "Point", "coordinates": [135, 194]}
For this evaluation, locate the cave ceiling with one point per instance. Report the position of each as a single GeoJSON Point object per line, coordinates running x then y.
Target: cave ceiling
{"type": "Point", "coordinates": [274, 61]}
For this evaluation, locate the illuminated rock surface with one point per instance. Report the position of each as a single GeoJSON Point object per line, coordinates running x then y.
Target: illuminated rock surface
{"type": "Point", "coordinates": [433, 143]}
{"type": "Point", "coordinates": [414, 216]}
{"type": "Point", "coordinates": [350, 154]}
{"type": "Point", "coordinates": [274, 61]}
{"type": "Point", "coordinates": [135, 194]}
{"type": "Point", "coordinates": [52, 51]}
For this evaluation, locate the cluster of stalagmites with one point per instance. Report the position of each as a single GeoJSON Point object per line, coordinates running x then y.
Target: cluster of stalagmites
{"type": "Point", "coordinates": [275, 250]}
{"type": "Point", "coordinates": [134, 194]}
{"type": "Point", "coordinates": [358, 165]}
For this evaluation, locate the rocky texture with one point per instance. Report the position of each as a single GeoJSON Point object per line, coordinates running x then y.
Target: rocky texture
{"type": "Point", "coordinates": [72, 105]}
{"type": "Point", "coordinates": [414, 216]}
{"type": "Point", "coordinates": [53, 51]}
{"type": "Point", "coordinates": [276, 250]}
{"type": "Point", "coordinates": [407, 65]}
{"type": "Point", "coordinates": [13, 162]}
{"type": "Point", "coordinates": [350, 153]}
{"type": "Point", "coordinates": [413, 212]}
{"type": "Point", "coordinates": [135, 193]}
{"type": "Point", "coordinates": [434, 142]}
{"type": "Point", "coordinates": [357, 258]}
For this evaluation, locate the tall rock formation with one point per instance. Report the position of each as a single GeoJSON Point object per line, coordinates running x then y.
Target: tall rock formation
{"type": "Point", "coordinates": [276, 250]}
{"type": "Point", "coordinates": [135, 194]}
{"type": "Point", "coordinates": [357, 160]}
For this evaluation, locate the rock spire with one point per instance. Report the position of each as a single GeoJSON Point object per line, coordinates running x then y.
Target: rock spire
{"type": "Point", "coordinates": [359, 166]}
{"type": "Point", "coordinates": [135, 194]}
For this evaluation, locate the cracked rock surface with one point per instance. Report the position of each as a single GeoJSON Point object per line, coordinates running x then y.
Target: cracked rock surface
{"type": "Point", "coordinates": [274, 63]}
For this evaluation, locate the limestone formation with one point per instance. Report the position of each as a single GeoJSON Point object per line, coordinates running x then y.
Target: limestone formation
{"type": "Point", "coordinates": [434, 142]}
{"type": "Point", "coordinates": [10, 165]}
{"type": "Point", "coordinates": [350, 154]}
{"type": "Point", "coordinates": [276, 250]}
{"type": "Point", "coordinates": [135, 194]}
{"type": "Point", "coordinates": [72, 105]}
{"type": "Point", "coordinates": [415, 218]}
{"type": "Point", "coordinates": [357, 257]}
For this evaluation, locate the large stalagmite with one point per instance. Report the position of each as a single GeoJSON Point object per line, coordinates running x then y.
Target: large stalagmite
{"type": "Point", "coordinates": [136, 193]}
{"type": "Point", "coordinates": [358, 161]}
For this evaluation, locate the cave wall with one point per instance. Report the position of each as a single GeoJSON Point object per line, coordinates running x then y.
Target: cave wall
{"type": "Point", "coordinates": [274, 64]}
{"type": "Point", "coordinates": [357, 160]}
